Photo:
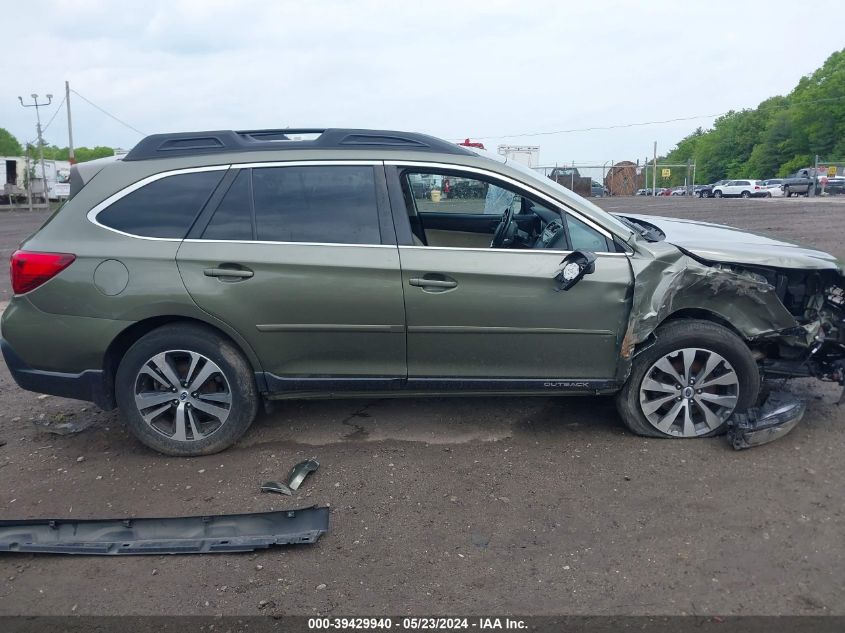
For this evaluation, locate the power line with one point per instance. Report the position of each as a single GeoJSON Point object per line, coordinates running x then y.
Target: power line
{"type": "Point", "coordinates": [641, 123]}
{"type": "Point", "coordinates": [107, 113]}
{"type": "Point", "coordinates": [44, 129]}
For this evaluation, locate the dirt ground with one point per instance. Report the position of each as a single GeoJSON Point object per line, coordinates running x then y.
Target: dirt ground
{"type": "Point", "coordinates": [454, 506]}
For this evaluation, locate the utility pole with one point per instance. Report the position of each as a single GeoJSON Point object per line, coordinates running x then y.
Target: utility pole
{"type": "Point", "coordinates": [71, 157]}
{"type": "Point", "coordinates": [28, 180]}
{"type": "Point", "coordinates": [37, 105]}
{"type": "Point", "coordinates": [654, 173]}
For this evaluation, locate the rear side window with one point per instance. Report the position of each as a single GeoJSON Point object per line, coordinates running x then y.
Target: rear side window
{"type": "Point", "coordinates": [320, 203]}
{"type": "Point", "coordinates": [233, 218]}
{"type": "Point", "coordinates": [164, 208]}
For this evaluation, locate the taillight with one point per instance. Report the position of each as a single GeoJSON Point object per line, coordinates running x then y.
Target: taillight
{"type": "Point", "coordinates": [30, 270]}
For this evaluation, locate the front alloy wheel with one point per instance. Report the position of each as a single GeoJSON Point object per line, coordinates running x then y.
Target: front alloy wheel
{"type": "Point", "coordinates": [688, 381]}
{"type": "Point", "coordinates": [689, 392]}
{"type": "Point", "coordinates": [183, 395]}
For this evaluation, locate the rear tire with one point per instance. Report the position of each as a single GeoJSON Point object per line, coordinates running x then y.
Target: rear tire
{"type": "Point", "coordinates": [717, 194]}
{"type": "Point", "coordinates": [703, 342]}
{"type": "Point", "coordinates": [185, 390]}
{"type": "Point", "coordinates": [745, 194]}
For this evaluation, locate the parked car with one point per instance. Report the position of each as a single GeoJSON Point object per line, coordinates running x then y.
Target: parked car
{"type": "Point", "coordinates": [679, 191]}
{"type": "Point", "coordinates": [739, 189]}
{"type": "Point", "coordinates": [664, 191]}
{"type": "Point", "coordinates": [706, 191]}
{"type": "Point", "coordinates": [834, 186]}
{"type": "Point", "coordinates": [598, 190]}
{"type": "Point", "coordinates": [773, 187]}
{"type": "Point", "coordinates": [644, 192]}
{"type": "Point", "coordinates": [803, 182]}
{"type": "Point", "coordinates": [203, 273]}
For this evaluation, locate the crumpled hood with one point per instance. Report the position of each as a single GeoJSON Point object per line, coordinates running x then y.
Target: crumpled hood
{"type": "Point", "coordinates": [719, 243]}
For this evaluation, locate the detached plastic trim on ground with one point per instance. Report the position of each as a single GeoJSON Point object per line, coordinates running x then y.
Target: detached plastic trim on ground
{"type": "Point", "coordinates": [778, 415]}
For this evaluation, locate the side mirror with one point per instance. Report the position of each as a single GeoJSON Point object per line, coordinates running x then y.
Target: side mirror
{"type": "Point", "coordinates": [573, 267]}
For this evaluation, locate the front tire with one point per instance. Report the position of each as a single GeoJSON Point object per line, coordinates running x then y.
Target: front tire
{"type": "Point", "coordinates": [717, 194]}
{"type": "Point", "coordinates": [689, 382]}
{"type": "Point", "coordinates": [745, 194]}
{"type": "Point", "coordinates": [185, 390]}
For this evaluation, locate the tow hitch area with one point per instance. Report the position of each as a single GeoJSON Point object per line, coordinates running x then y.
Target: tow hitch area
{"type": "Point", "coordinates": [174, 535]}
{"type": "Point", "coordinates": [778, 415]}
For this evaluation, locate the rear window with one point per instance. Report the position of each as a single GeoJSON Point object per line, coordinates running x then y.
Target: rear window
{"type": "Point", "coordinates": [164, 208]}
{"type": "Point", "coordinates": [318, 203]}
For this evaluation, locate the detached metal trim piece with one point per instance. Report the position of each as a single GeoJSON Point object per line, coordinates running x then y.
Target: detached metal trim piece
{"type": "Point", "coordinates": [778, 416]}
{"type": "Point", "coordinates": [172, 535]}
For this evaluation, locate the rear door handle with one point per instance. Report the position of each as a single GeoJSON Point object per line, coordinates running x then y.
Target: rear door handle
{"type": "Point", "coordinates": [429, 282]}
{"type": "Point", "coordinates": [239, 273]}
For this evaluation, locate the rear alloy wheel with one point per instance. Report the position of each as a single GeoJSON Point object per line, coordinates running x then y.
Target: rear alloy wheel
{"type": "Point", "coordinates": [717, 193]}
{"type": "Point", "coordinates": [183, 395]}
{"type": "Point", "coordinates": [186, 390]}
{"type": "Point", "coordinates": [689, 382]}
{"type": "Point", "coordinates": [745, 194]}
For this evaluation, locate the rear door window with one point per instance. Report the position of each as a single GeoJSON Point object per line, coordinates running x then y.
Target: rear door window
{"type": "Point", "coordinates": [233, 218]}
{"type": "Point", "coordinates": [316, 203]}
{"type": "Point", "coordinates": [164, 208]}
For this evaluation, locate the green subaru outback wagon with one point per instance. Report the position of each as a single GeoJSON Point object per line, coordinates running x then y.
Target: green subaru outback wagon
{"type": "Point", "coordinates": [204, 273]}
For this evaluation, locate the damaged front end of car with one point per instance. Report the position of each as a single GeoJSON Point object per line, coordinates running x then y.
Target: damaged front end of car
{"type": "Point", "coordinates": [792, 318]}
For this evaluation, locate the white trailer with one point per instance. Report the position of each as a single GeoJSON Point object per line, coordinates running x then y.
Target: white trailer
{"type": "Point", "coordinates": [14, 177]}
{"type": "Point", "coordinates": [15, 180]}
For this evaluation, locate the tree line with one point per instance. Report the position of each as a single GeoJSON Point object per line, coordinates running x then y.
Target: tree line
{"type": "Point", "coordinates": [778, 137]}
{"type": "Point", "coordinates": [10, 146]}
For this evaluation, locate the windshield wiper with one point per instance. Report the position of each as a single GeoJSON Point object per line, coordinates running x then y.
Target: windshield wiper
{"type": "Point", "coordinates": [649, 233]}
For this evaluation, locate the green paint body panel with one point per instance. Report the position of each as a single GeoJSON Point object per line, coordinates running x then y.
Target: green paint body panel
{"type": "Point", "coordinates": [505, 319]}
{"type": "Point", "coordinates": [308, 310]}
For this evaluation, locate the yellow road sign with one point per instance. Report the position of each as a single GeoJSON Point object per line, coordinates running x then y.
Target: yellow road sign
{"type": "Point", "coordinates": [667, 172]}
{"type": "Point", "coordinates": [831, 171]}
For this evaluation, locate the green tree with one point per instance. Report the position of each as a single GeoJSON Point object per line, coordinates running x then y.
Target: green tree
{"type": "Point", "coordinates": [9, 145]}
{"type": "Point", "coordinates": [779, 136]}
{"type": "Point", "coordinates": [81, 154]}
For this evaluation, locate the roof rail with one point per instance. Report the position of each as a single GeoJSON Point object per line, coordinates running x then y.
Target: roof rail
{"type": "Point", "coordinates": [223, 141]}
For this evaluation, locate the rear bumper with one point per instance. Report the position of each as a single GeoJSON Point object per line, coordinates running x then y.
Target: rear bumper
{"type": "Point", "coordinates": [90, 385]}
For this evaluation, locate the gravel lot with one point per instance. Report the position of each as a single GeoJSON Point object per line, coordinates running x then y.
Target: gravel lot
{"type": "Point", "coordinates": [454, 506]}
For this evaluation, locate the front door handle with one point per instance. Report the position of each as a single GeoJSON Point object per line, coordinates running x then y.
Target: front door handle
{"type": "Point", "coordinates": [438, 282]}
{"type": "Point", "coordinates": [237, 273]}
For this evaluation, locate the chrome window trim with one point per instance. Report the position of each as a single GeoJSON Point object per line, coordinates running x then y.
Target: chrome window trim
{"type": "Point", "coordinates": [102, 206]}
{"type": "Point", "coordinates": [97, 209]}
{"type": "Point", "coordinates": [196, 240]}
{"type": "Point", "coordinates": [517, 183]}
{"type": "Point", "coordinates": [534, 251]}
{"type": "Point", "coordinates": [307, 163]}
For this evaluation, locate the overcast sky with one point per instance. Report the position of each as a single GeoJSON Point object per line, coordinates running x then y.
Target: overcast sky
{"type": "Point", "coordinates": [453, 69]}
